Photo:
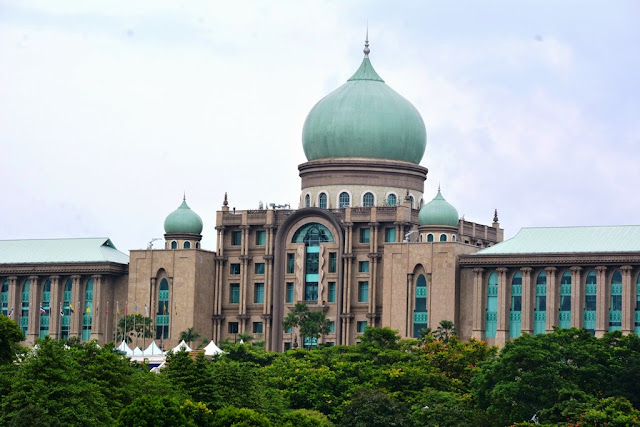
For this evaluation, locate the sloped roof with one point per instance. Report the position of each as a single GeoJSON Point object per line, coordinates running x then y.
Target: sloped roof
{"type": "Point", "coordinates": [45, 251]}
{"type": "Point", "coordinates": [547, 240]}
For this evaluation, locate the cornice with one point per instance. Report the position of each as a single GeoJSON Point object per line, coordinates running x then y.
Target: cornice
{"type": "Point", "coordinates": [64, 269]}
{"type": "Point", "coordinates": [591, 259]}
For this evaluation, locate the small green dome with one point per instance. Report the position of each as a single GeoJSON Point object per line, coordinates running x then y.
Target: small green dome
{"type": "Point", "coordinates": [364, 118]}
{"type": "Point", "coordinates": [438, 212]}
{"type": "Point", "coordinates": [183, 220]}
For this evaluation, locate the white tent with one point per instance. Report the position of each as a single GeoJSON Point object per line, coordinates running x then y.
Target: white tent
{"type": "Point", "coordinates": [152, 350]}
{"type": "Point", "coordinates": [182, 346]}
{"type": "Point", "coordinates": [137, 352]}
{"type": "Point", "coordinates": [212, 349]}
{"type": "Point", "coordinates": [123, 347]}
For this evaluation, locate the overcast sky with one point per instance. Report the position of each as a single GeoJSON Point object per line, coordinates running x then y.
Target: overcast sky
{"type": "Point", "coordinates": [110, 110]}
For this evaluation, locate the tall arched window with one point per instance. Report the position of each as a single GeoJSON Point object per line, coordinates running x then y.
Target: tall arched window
{"type": "Point", "coordinates": [162, 316]}
{"type": "Point", "coordinates": [564, 315]}
{"type": "Point", "coordinates": [491, 316]}
{"type": "Point", "coordinates": [411, 202]}
{"type": "Point", "coordinates": [540, 311]}
{"type": "Point", "coordinates": [307, 201]}
{"type": "Point", "coordinates": [615, 309]}
{"type": "Point", "coordinates": [24, 308]}
{"type": "Point", "coordinates": [392, 199]}
{"type": "Point", "coordinates": [637, 319]}
{"type": "Point", "coordinates": [66, 310]}
{"type": "Point", "coordinates": [87, 314]}
{"type": "Point", "coordinates": [429, 237]}
{"type": "Point", "coordinates": [590, 292]}
{"type": "Point", "coordinates": [186, 245]}
{"type": "Point", "coordinates": [4, 298]}
{"type": "Point", "coordinates": [322, 201]}
{"type": "Point", "coordinates": [45, 309]}
{"type": "Point", "coordinates": [420, 313]}
{"type": "Point", "coordinates": [367, 199]}
{"type": "Point", "coordinates": [344, 200]}
{"type": "Point", "coordinates": [174, 245]}
{"type": "Point", "coordinates": [443, 237]}
{"type": "Point", "coordinates": [515, 315]}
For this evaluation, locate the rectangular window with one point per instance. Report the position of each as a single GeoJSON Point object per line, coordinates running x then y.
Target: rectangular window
{"type": "Point", "coordinates": [289, 297]}
{"type": "Point", "coordinates": [258, 293]}
{"type": "Point", "coordinates": [234, 293]}
{"type": "Point", "coordinates": [390, 234]}
{"type": "Point", "coordinates": [363, 291]}
{"type": "Point", "coordinates": [590, 303]}
{"type": "Point", "coordinates": [616, 302]}
{"type": "Point", "coordinates": [261, 237]}
{"type": "Point", "coordinates": [361, 326]}
{"type": "Point", "coordinates": [287, 346]}
{"type": "Point", "coordinates": [332, 292]}
{"type": "Point", "coordinates": [565, 303]}
{"type": "Point", "coordinates": [312, 263]}
{"type": "Point", "coordinates": [363, 266]}
{"type": "Point", "coordinates": [259, 268]}
{"type": "Point", "coordinates": [332, 262]}
{"type": "Point", "coordinates": [288, 330]}
{"type": "Point", "coordinates": [234, 268]}
{"type": "Point", "coordinates": [236, 238]}
{"type": "Point", "coordinates": [291, 263]}
{"type": "Point", "coordinates": [332, 327]}
{"type": "Point", "coordinates": [257, 327]}
{"type": "Point", "coordinates": [516, 303]}
{"type": "Point", "coordinates": [365, 235]}
{"type": "Point", "coordinates": [541, 303]}
{"type": "Point", "coordinates": [311, 291]}
{"type": "Point", "coordinates": [233, 327]}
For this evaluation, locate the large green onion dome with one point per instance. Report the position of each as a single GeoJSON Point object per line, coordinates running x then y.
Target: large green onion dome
{"type": "Point", "coordinates": [364, 118]}
{"type": "Point", "coordinates": [183, 221]}
{"type": "Point", "coordinates": [438, 212]}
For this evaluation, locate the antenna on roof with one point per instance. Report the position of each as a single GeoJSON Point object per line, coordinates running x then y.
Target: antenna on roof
{"type": "Point", "coordinates": [150, 244]}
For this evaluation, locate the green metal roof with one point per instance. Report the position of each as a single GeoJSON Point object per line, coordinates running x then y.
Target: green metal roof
{"type": "Point", "coordinates": [183, 220]}
{"type": "Point", "coordinates": [438, 212]}
{"type": "Point", "coordinates": [49, 251]}
{"type": "Point", "coordinates": [364, 118]}
{"type": "Point", "coordinates": [623, 238]}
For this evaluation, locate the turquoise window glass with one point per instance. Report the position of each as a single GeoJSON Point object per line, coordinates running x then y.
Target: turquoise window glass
{"type": "Point", "coordinates": [332, 327]}
{"type": "Point", "coordinates": [361, 326]}
{"type": "Point", "coordinates": [367, 199]}
{"type": "Point", "coordinates": [591, 290]}
{"type": "Point", "coordinates": [46, 306]}
{"type": "Point", "coordinates": [491, 315]}
{"type": "Point", "coordinates": [174, 245]}
{"type": "Point", "coordinates": [615, 309]}
{"type": "Point", "coordinates": [234, 268]}
{"type": "Point", "coordinates": [261, 238]}
{"type": "Point", "coordinates": [333, 257]}
{"type": "Point", "coordinates": [233, 327]}
{"type": "Point", "coordinates": [87, 313]}
{"type": "Point", "coordinates": [24, 306]}
{"type": "Point", "coordinates": [365, 235]}
{"type": "Point", "coordinates": [332, 292]}
{"type": "Point", "coordinates": [540, 311]}
{"type": "Point", "coordinates": [289, 292]}
{"type": "Point", "coordinates": [344, 200]}
{"type": "Point", "coordinates": [429, 237]}
{"type": "Point", "coordinates": [234, 293]}
{"type": "Point", "coordinates": [322, 201]}
{"type": "Point", "coordinates": [258, 293]}
{"type": "Point", "coordinates": [515, 315]}
{"type": "Point", "coordinates": [66, 317]}
{"type": "Point", "coordinates": [186, 245]}
{"type": "Point", "coordinates": [420, 312]}
{"type": "Point", "coordinates": [291, 263]}
{"type": "Point", "coordinates": [257, 327]}
{"type": "Point", "coordinates": [236, 238]}
{"type": "Point", "coordinates": [390, 234]}
{"type": "Point", "coordinates": [312, 234]}
{"type": "Point", "coordinates": [363, 266]}
{"type": "Point", "coordinates": [4, 298]}
{"type": "Point", "coordinates": [392, 200]}
{"type": "Point", "coordinates": [162, 314]}
{"type": "Point", "coordinates": [307, 201]}
{"type": "Point", "coordinates": [363, 291]}
{"type": "Point", "coordinates": [443, 237]}
{"type": "Point", "coordinates": [259, 268]}
{"type": "Point", "coordinates": [311, 291]}
{"type": "Point", "coordinates": [564, 315]}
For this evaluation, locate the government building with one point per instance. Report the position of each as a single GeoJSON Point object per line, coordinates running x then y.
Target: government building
{"type": "Point", "coordinates": [366, 247]}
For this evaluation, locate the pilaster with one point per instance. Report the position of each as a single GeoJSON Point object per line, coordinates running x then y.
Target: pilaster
{"type": "Point", "coordinates": [602, 308]}
{"type": "Point", "coordinates": [55, 305]}
{"type": "Point", "coordinates": [35, 294]}
{"type": "Point", "coordinates": [577, 297]}
{"type": "Point", "coordinates": [502, 325]}
{"type": "Point", "coordinates": [479, 304]}
{"type": "Point", "coordinates": [527, 300]}
{"type": "Point", "coordinates": [628, 300]}
{"type": "Point", "coordinates": [553, 295]}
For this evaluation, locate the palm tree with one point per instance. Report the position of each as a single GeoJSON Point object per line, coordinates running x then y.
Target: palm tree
{"type": "Point", "coordinates": [445, 330]}
{"type": "Point", "coordinates": [189, 335]}
{"type": "Point", "coordinates": [245, 337]}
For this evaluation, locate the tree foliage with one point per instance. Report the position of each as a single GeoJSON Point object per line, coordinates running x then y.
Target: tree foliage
{"type": "Point", "coordinates": [311, 324]}
{"type": "Point", "coordinates": [133, 326]}
{"type": "Point", "coordinates": [10, 337]}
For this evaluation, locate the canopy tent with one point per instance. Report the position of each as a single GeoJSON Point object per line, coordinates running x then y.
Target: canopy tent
{"type": "Point", "coordinates": [212, 349]}
{"type": "Point", "coordinates": [124, 348]}
{"type": "Point", "coordinates": [182, 346]}
{"type": "Point", "coordinates": [152, 350]}
{"type": "Point", "coordinates": [137, 352]}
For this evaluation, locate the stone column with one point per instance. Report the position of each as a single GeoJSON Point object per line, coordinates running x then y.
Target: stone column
{"type": "Point", "coordinates": [76, 318]}
{"type": "Point", "coordinates": [502, 324]}
{"type": "Point", "coordinates": [14, 302]}
{"type": "Point", "coordinates": [527, 300]}
{"type": "Point", "coordinates": [35, 295]}
{"type": "Point", "coordinates": [553, 295]}
{"type": "Point", "coordinates": [602, 308]}
{"type": "Point", "coordinates": [577, 298]}
{"type": "Point", "coordinates": [628, 300]}
{"type": "Point", "coordinates": [55, 305]}
{"type": "Point", "coordinates": [97, 324]}
{"type": "Point", "coordinates": [479, 304]}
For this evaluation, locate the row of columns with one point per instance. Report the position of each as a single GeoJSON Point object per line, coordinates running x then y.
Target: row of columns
{"type": "Point", "coordinates": [552, 300]}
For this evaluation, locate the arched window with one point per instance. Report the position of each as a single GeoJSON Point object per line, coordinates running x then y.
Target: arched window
{"type": "Point", "coordinates": [197, 245]}
{"type": "Point", "coordinates": [443, 237]}
{"type": "Point", "coordinates": [312, 234]}
{"type": "Point", "coordinates": [4, 297]}
{"type": "Point", "coordinates": [162, 316]}
{"type": "Point", "coordinates": [174, 245]}
{"type": "Point", "coordinates": [392, 200]}
{"type": "Point", "coordinates": [564, 316]}
{"type": "Point", "coordinates": [66, 310]}
{"type": "Point", "coordinates": [420, 312]}
{"type": "Point", "coordinates": [637, 319]}
{"type": "Point", "coordinates": [491, 315]}
{"type": "Point", "coordinates": [322, 201]}
{"type": "Point", "coordinates": [453, 237]}
{"type": "Point", "coordinates": [45, 309]}
{"type": "Point", "coordinates": [24, 312]}
{"type": "Point", "coordinates": [344, 200]}
{"type": "Point", "coordinates": [186, 245]}
{"type": "Point", "coordinates": [87, 314]}
{"type": "Point", "coordinates": [367, 199]}
{"type": "Point", "coordinates": [515, 315]}
{"type": "Point", "coordinates": [615, 309]}
{"type": "Point", "coordinates": [307, 201]}
{"type": "Point", "coordinates": [540, 311]}
{"type": "Point", "coordinates": [590, 292]}
{"type": "Point", "coordinates": [411, 201]}
{"type": "Point", "coordinates": [429, 237]}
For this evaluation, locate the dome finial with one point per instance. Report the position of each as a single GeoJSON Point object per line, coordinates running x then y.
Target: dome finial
{"type": "Point", "coordinates": [226, 202]}
{"type": "Point", "coordinates": [184, 196]}
{"type": "Point", "coordinates": [438, 187]}
{"type": "Point", "coordinates": [495, 215]}
{"type": "Point", "coordinates": [366, 49]}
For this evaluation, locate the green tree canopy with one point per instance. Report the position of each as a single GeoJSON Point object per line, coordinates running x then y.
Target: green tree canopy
{"type": "Point", "coordinates": [10, 337]}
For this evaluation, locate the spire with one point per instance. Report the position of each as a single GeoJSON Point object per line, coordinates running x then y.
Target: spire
{"type": "Point", "coordinates": [366, 49]}
{"type": "Point", "coordinates": [438, 187]}
{"type": "Point", "coordinates": [184, 196]}
{"type": "Point", "coordinates": [226, 202]}
{"type": "Point", "coordinates": [495, 215]}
